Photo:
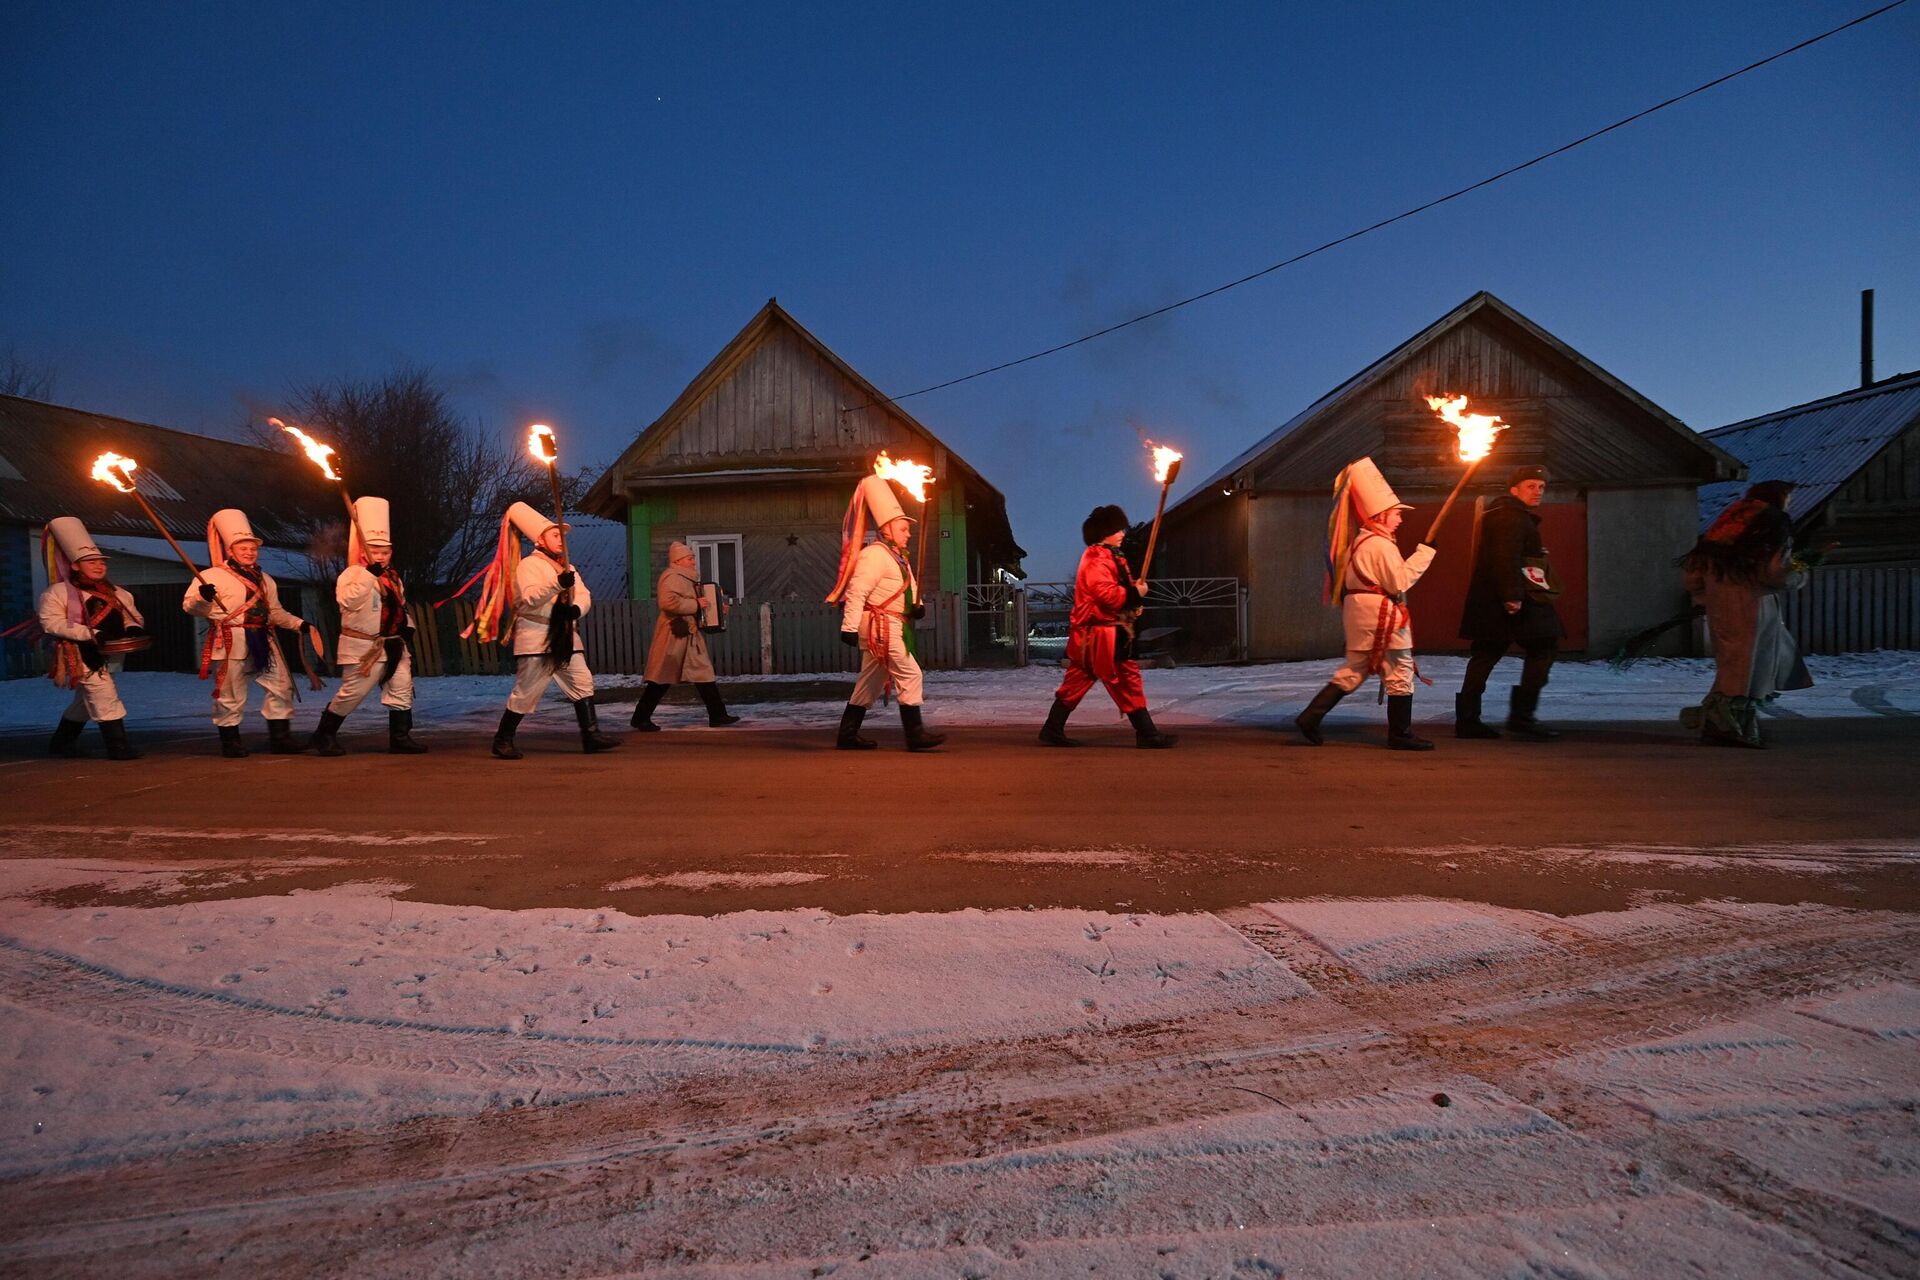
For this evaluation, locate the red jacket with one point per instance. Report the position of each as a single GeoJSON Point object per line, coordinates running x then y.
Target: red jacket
{"type": "Point", "coordinates": [1102, 588]}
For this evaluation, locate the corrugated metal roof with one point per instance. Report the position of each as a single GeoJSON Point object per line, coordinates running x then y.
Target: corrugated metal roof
{"type": "Point", "coordinates": [51, 448]}
{"type": "Point", "coordinates": [598, 549]}
{"type": "Point", "coordinates": [1818, 445]}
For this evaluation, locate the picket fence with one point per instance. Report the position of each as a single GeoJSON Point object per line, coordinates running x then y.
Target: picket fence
{"type": "Point", "coordinates": [1843, 610]}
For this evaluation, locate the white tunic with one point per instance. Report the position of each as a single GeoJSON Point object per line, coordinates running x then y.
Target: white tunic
{"type": "Point", "coordinates": [877, 580]}
{"type": "Point", "coordinates": [230, 602]}
{"type": "Point", "coordinates": [536, 585]}
{"type": "Point", "coordinates": [358, 593]}
{"type": "Point", "coordinates": [58, 600]}
{"type": "Point", "coordinates": [1377, 565]}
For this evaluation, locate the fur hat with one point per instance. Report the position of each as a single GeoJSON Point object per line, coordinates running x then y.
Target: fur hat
{"type": "Point", "coordinates": [1102, 523]}
{"type": "Point", "coordinates": [678, 551]}
{"type": "Point", "coordinates": [1520, 475]}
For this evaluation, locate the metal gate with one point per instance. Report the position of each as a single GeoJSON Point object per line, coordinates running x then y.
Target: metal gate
{"type": "Point", "coordinates": [1186, 620]}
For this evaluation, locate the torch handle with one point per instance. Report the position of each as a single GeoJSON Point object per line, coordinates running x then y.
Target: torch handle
{"type": "Point", "coordinates": [154, 516]}
{"type": "Point", "coordinates": [353, 522]}
{"type": "Point", "coordinates": [1153, 536]}
{"type": "Point", "coordinates": [920, 555]}
{"type": "Point", "coordinates": [1448, 504]}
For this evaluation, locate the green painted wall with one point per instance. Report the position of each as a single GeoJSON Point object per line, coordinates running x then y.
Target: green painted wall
{"type": "Point", "coordinates": [641, 518]}
{"type": "Point", "coordinates": [953, 550]}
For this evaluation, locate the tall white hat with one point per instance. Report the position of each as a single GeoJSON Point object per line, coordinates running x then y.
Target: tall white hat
{"type": "Point", "coordinates": [75, 543]}
{"type": "Point", "coordinates": [531, 521]}
{"type": "Point", "coordinates": [1372, 495]}
{"type": "Point", "coordinates": [874, 503]}
{"type": "Point", "coordinates": [883, 504]}
{"type": "Point", "coordinates": [375, 521]}
{"type": "Point", "coordinates": [227, 527]}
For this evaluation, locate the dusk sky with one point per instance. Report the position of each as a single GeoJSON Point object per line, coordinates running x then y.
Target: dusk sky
{"type": "Point", "coordinates": [566, 210]}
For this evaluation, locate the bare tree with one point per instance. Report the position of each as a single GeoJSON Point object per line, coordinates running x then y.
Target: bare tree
{"type": "Point", "coordinates": [25, 378]}
{"type": "Point", "coordinates": [448, 480]}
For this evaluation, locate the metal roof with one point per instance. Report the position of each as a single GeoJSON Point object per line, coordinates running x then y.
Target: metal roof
{"type": "Point", "coordinates": [1818, 445]}
{"type": "Point", "coordinates": [49, 451]}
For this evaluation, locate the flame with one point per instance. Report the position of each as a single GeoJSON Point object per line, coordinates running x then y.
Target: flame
{"type": "Point", "coordinates": [914, 477]}
{"type": "Point", "coordinates": [107, 464]}
{"type": "Point", "coordinates": [1164, 461]}
{"type": "Point", "coordinates": [541, 443]}
{"type": "Point", "coordinates": [1476, 430]}
{"type": "Point", "coordinates": [320, 454]}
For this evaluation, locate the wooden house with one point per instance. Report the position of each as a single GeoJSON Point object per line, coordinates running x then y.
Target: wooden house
{"type": "Point", "coordinates": [753, 464]}
{"type": "Point", "coordinates": [1621, 505]}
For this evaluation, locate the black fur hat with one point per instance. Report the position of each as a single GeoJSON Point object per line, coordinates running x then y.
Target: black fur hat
{"type": "Point", "coordinates": [1103, 522]}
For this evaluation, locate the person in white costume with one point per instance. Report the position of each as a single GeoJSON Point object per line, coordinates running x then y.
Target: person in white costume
{"type": "Point", "coordinates": [549, 599]}
{"type": "Point", "coordinates": [376, 635]}
{"type": "Point", "coordinates": [241, 604]}
{"type": "Point", "coordinates": [879, 600]}
{"type": "Point", "coordinates": [1369, 579]}
{"type": "Point", "coordinates": [95, 625]}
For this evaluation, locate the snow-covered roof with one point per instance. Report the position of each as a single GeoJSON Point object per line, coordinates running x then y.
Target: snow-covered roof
{"type": "Point", "coordinates": [598, 549]}
{"type": "Point", "coordinates": [1818, 445]}
{"type": "Point", "coordinates": [284, 565]}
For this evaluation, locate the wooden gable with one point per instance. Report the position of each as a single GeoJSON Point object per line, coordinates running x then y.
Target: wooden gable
{"type": "Point", "coordinates": [1563, 411]}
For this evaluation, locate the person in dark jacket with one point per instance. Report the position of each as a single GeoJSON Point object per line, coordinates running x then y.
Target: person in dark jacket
{"type": "Point", "coordinates": [1510, 602]}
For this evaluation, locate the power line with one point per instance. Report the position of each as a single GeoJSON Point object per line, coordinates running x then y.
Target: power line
{"type": "Point", "coordinates": [1387, 222]}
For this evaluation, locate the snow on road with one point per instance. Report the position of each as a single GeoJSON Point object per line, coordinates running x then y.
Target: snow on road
{"type": "Point", "coordinates": [350, 1083]}
{"type": "Point", "coordinates": [1862, 684]}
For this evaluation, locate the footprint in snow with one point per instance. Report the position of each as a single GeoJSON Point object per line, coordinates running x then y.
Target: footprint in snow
{"type": "Point", "coordinates": [822, 988]}
{"type": "Point", "coordinates": [1095, 930]}
{"type": "Point", "coordinates": [855, 948]}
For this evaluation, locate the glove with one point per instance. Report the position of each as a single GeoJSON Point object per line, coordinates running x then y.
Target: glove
{"type": "Point", "coordinates": [565, 579]}
{"type": "Point", "coordinates": [207, 592]}
{"type": "Point", "coordinates": [135, 632]}
{"type": "Point", "coordinates": [918, 612]}
{"type": "Point", "coordinates": [851, 639]}
{"type": "Point", "coordinates": [679, 627]}
{"type": "Point", "coordinates": [90, 655]}
{"type": "Point", "coordinates": [376, 569]}
{"type": "Point", "coordinates": [566, 612]}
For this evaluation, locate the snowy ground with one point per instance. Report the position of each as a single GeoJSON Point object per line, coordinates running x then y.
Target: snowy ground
{"type": "Point", "coordinates": [344, 1082]}
{"type": "Point", "coordinates": [1880, 683]}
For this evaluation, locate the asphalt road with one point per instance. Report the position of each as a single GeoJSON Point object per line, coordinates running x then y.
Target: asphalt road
{"type": "Point", "coordinates": [1229, 817]}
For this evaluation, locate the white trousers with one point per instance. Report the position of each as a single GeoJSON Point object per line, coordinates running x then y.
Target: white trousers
{"type": "Point", "coordinates": [534, 672]}
{"type": "Point", "coordinates": [1353, 672]}
{"type": "Point", "coordinates": [230, 678]}
{"type": "Point", "coordinates": [96, 697]}
{"type": "Point", "coordinates": [354, 687]}
{"type": "Point", "coordinates": [874, 672]}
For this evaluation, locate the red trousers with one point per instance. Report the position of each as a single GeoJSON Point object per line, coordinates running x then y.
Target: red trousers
{"type": "Point", "coordinates": [1090, 660]}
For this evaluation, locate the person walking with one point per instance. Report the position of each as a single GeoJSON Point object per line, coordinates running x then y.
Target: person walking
{"type": "Point", "coordinates": [241, 603]}
{"type": "Point", "coordinates": [376, 635]}
{"type": "Point", "coordinates": [879, 599]}
{"type": "Point", "coordinates": [94, 624]}
{"type": "Point", "coordinates": [1509, 603]}
{"type": "Point", "coordinates": [679, 649]}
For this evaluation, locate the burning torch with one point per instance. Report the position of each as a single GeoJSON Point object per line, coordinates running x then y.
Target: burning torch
{"type": "Point", "coordinates": [914, 477]}
{"type": "Point", "coordinates": [112, 469]}
{"type": "Point", "coordinates": [546, 450]}
{"type": "Point", "coordinates": [1166, 469]}
{"type": "Point", "coordinates": [1474, 433]}
{"type": "Point", "coordinates": [322, 456]}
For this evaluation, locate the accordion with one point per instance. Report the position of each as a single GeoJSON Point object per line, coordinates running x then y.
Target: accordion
{"type": "Point", "coordinates": [712, 617]}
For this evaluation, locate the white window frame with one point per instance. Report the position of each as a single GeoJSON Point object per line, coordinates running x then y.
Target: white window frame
{"type": "Point", "coordinates": [718, 543]}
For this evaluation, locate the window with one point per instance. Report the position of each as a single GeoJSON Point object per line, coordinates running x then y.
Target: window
{"type": "Point", "coordinates": [718, 556]}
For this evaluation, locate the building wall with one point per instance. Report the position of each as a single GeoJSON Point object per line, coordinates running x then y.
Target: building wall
{"type": "Point", "coordinates": [1287, 620]}
{"type": "Point", "coordinates": [1633, 537]}
{"type": "Point", "coordinates": [1875, 515]}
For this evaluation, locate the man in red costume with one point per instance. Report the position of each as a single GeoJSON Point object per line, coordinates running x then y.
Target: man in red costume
{"type": "Point", "coordinates": [1106, 596]}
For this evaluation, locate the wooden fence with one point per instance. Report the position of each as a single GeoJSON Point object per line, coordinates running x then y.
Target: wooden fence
{"type": "Point", "coordinates": [1843, 610]}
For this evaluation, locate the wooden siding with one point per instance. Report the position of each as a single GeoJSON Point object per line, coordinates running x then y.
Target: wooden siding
{"type": "Point", "coordinates": [1854, 610]}
{"type": "Point", "coordinates": [1875, 515]}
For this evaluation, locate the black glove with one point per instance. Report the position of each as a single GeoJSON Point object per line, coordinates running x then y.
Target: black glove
{"type": "Point", "coordinates": [90, 655]}
{"type": "Point", "coordinates": [135, 632]}
{"type": "Point", "coordinates": [565, 579]}
{"type": "Point", "coordinates": [680, 626]}
{"type": "Point", "coordinates": [376, 569]}
{"type": "Point", "coordinates": [566, 612]}
{"type": "Point", "coordinates": [207, 592]}
{"type": "Point", "coordinates": [918, 612]}
{"type": "Point", "coordinates": [851, 639]}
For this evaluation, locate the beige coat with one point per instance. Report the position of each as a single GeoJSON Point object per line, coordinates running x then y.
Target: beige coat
{"type": "Point", "coordinates": [1754, 655]}
{"type": "Point", "coordinates": [1376, 559]}
{"type": "Point", "coordinates": [230, 601]}
{"type": "Point", "coordinates": [679, 650]}
{"type": "Point", "coordinates": [535, 588]}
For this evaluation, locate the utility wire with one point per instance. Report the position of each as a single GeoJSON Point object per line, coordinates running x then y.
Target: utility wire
{"type": "Point", "coordinates": [1387, 222]}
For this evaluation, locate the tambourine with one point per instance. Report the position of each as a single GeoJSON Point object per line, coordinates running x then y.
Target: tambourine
{"type": "Point", "coordinates": [125, 644]}
{"type": "Point", "coordinates": [713, 618]}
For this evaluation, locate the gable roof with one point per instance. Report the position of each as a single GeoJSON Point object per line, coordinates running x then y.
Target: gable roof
{"type": "Point", "coordinates": [47, 453]}
{"type": "Point", "coordinates": [1818, 445]}
{"type": "Point", "coordinates": [1399, 355]}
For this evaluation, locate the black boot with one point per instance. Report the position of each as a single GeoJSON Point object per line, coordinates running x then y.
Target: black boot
{"type": "Point", "coordinates": [400, 733]}
{"type": "Point", "coordinates": [918, 739]}
{"type": "Point", "coordinates": [230, 745]}
{"type": "Point", "coordinates": [717, 716]}
{"type": "Point", "coordinates": [1520, 721]}
{"type": "Point", "coordinates": [1400, 734]}
{"type": "Point", "coordinates": [850, 739]}
{"type": "Point", "coordinates": [1466, 718]}
{"type": "Point", "coordinates": [280, 739]}
{"type": "Point", "coordinates": [66, 740]}
{"type": "Point", "coordinates": [643, 713]}
{"type": "Point", "coordinates": [503, 748]}
{"type": "Point", "coordinates": [1308, 721]}
{"type": "Point", "coordinates": [114, 733]}
{"type": "Point", "coordinates": [1145, 735]}
{"type": "Point", "coordinates": [326, 735]}
{"type": "Point", "coordinates": [1054, 732]}
{"type": "Point", "coordinates": [591, 739]}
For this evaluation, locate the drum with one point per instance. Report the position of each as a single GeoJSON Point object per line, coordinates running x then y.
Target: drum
{"type": "Point", "coordinates": [712, 617]}
{"type": "Point", "coordinates": [126, 644]}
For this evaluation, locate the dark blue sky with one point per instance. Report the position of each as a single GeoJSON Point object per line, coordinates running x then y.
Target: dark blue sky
{"type": "Point", "coordinates": [566, 210]}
